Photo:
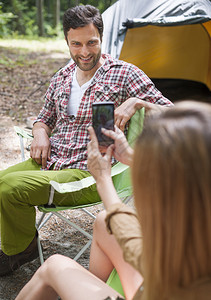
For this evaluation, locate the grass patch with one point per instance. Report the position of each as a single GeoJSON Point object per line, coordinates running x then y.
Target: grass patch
{"type": "Point", "coordinates": [17, 61]}
{"type": "Point", "coordinates": [6, 61]}
{"type": "Point", "coordinates": [39, 45]}
{"type": "Point", "coordinates": [26, 52]}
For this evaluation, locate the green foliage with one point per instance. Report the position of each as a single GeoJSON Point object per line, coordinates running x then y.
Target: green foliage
{"type": "Point", "coordinates": [51, 32]}
{"type": "Point", "coordinates": [22, 18]}
{"type": "Point", "coordinates": [31, 28]}
{"type": "Point", "coordinates": [19, 17]}
{"type": "Point", "coordinates": [4, 20]}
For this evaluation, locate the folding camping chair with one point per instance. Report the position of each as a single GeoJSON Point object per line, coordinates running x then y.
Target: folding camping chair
{"type": "Point", "coordinates": [120, 174]}
{"type": "Point", "coordinates": [114, 282]}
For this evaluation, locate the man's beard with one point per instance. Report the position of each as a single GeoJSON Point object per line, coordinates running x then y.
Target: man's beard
{"type": "Point", "coordinates": [88, 66]}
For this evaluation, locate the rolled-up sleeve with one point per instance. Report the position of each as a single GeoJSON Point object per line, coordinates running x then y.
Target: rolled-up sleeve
{"type": "Point", "coordinates": [122, 222]}
{"type": "Point", "coordinates": [48, 114]}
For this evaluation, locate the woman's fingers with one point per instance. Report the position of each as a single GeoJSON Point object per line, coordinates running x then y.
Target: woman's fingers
{"type": "Point", "coordinates": [113, 134]}
{"type": "Point", "coordinates": [109, 152]}
{"type": "Point", "coordinates": [92, 134]}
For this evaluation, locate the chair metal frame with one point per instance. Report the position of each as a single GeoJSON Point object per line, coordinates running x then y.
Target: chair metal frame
{"type": "Point", "coordinates": [118, 172]}
{"type": "Point", "coordinates": [54, 211]}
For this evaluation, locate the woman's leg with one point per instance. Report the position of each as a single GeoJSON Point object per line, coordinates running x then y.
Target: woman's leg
{"type": "Point", "coordinates": [62, 276]}
{"type": "Point", "coordinates": [106, 254]}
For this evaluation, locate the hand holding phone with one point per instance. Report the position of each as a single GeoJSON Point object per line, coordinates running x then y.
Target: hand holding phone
{"type": "Point", "coordinates": [103, 117]}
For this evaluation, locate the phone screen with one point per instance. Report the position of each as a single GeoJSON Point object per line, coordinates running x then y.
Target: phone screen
{"type": "Point", "coordinates": [103, 117]}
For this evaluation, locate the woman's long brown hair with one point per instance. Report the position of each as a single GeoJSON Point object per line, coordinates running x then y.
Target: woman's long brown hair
{"type": "Point", "coordinates": [172, 191]}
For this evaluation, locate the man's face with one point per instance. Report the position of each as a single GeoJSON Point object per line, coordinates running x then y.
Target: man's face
{"type": "Point", "coordinates": [85, 47]}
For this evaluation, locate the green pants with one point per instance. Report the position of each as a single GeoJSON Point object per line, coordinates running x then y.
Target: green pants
{"type": "Point", "coordinates": [24, 186]}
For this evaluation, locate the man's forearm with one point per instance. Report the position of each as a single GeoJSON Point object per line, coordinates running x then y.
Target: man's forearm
{"type": "Point", "coordinates": [41, 127]}
{"type": "Point", "coordinates": [148, 106]}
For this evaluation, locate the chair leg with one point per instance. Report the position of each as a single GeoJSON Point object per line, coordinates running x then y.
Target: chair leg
{"type": "Point", "coordinates": [82, 250]}
{"type": "Point", "coordinates": [39, 225]}
{"type": "Point", "coordinates": [42, 222]}
{"type": "Point", "coordinates": [88, 213]}
{"type": "Point", "coordinates": [40, 251]}
{"type": "Point", "coordinates": [89, 236]}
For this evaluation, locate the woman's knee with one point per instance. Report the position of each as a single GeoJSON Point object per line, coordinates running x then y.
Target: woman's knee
{"type": "Point", "coordinates": [55, 261]}
{"type": "Point", "coordinates": [52, 265]}
{"type": "Point", "coordinates": [99, 224]}
{"type": "Point", "coordinates": [58, 261]}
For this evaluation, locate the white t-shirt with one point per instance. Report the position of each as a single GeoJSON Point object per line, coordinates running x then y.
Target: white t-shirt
{"type": "Point", "coordinates": [76, 94]}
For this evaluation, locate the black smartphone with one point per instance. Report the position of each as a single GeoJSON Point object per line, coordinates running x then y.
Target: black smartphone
{"type": "Point", "coordinates": [103, 117]}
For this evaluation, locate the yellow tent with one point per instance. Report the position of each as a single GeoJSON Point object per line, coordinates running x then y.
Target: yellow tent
{"type": "Point", "coordinates": [179, 52]}
{"type": "Point", "coordinates": [166, 39]}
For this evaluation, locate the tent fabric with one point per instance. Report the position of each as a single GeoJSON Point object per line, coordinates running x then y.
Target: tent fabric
{"type": "Point", "coordinates": [165, 38]}
{"type": "Point", "coordinates": [125, 14]}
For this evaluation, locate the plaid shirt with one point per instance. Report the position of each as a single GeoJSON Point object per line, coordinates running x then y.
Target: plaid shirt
{"type": "Point", "coordinates": [114, 81]}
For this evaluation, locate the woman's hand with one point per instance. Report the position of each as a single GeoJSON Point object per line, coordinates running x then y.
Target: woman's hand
{"type": "Point", "coordinates": [98, 165]}
{"type": "Point", "coordinates": [100, 168]}
{"type": "Point", "coordinates": [121, 150]}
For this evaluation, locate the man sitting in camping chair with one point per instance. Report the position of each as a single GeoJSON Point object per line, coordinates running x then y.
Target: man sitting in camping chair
{"type": "Point", "coordinates": [90, 76]}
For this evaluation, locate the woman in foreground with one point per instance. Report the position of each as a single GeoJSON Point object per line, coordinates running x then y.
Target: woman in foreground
{"type": "Point", "coordinates": [171, 174]}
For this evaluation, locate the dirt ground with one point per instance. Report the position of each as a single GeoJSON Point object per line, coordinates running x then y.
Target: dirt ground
{"type": "Point", "coordinates": [25, 71]}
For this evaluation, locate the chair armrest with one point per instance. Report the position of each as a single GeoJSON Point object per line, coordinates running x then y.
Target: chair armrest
{"type": "Point", "coordinates": [85, 182]}
{"type": "Point", "coordinates": [135, 126]}
{"type": "Point", "coordinates": [22, 135]}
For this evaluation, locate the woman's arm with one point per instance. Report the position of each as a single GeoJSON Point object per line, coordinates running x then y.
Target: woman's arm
{"type": "Point", "coordinates": [100, 168]}
{"type": "Point", "coordinates": [121, 220]}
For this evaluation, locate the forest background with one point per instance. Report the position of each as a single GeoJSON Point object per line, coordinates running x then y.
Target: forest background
{"type": "Point", "coordinates": [33, 18]}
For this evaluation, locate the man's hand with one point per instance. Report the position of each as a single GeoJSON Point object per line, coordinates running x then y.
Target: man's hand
{"type": "Point", "coordinates": [124, 112]}
{"type": "Point", "coordinates": [41, 148]}
{"type": "Point", "coordinates": [127, 109]}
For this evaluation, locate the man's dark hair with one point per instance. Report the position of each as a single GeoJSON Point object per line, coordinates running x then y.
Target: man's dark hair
{"type": "Point", "coordinates": [80, 16]}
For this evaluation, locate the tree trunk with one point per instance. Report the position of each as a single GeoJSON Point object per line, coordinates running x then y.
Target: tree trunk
{"type": "Point", "coordinates": [57, 15]}
{"type": "Point", "coordinates": [39, 5]}
{"type": "Point", "coordinates": [16, 8]}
